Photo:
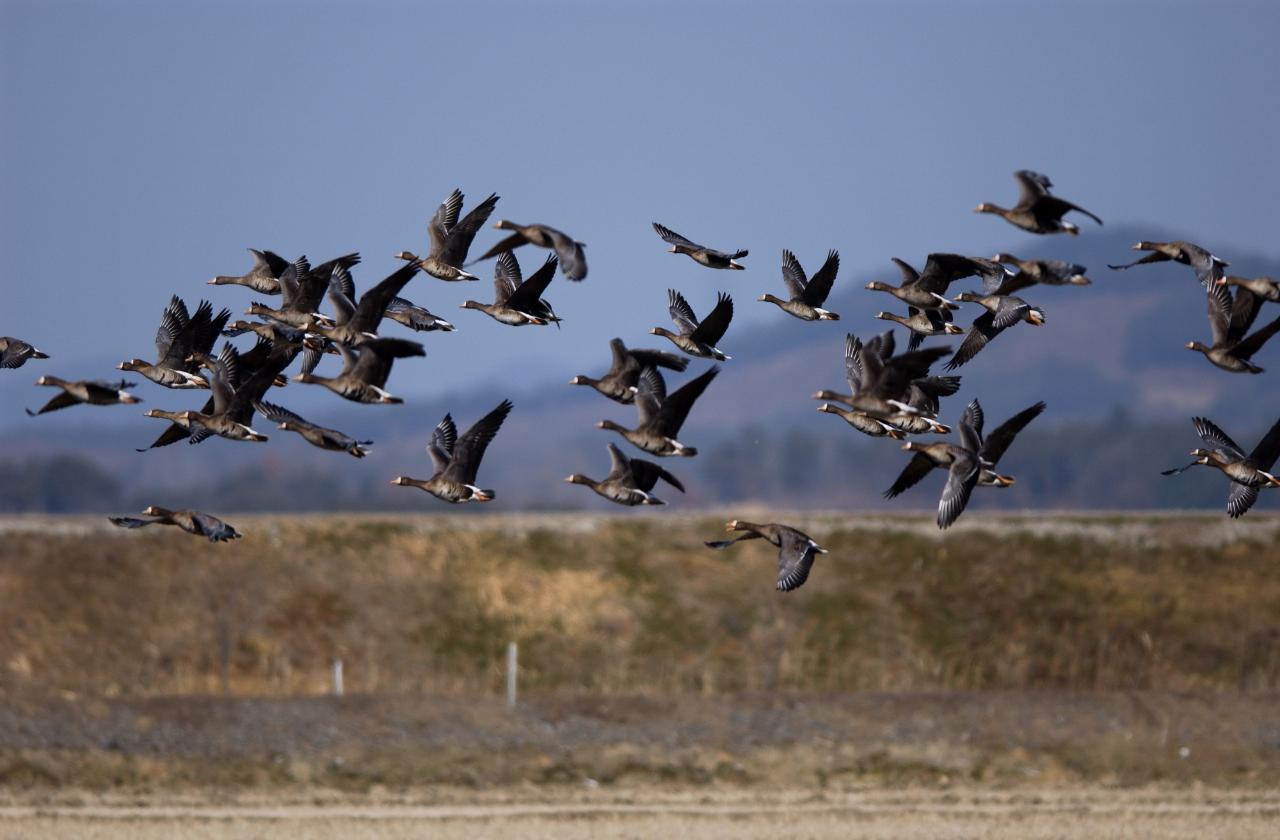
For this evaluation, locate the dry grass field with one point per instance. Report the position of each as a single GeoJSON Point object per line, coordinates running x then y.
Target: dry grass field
{"type": "Point", "coordinates": [1028, 677]}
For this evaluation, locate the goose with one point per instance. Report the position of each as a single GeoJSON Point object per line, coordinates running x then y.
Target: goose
{"type": "Point", "coordinates": [699, 253]}
{"type": "Point", "coordinates": [518, 302]}
{"type": "Point", "coordinates": [191, 521]}
{"type": "Point", "coordinates": [927, 289]}
{"type": "Point", "coordinates": [263, 278]}
{"type": "Point", "coordinates": [661, 416]}
{"type": "Point", "coordinates": [1037, 210]}
{"type": "Point", "coordinates": [963, 462]}
{"type": "Point", "coordinates": [922, 323]}
{"type": "Point", "coordinates": [1264, 287]}
{"type": "Point", "coordinates": [1003, 311]}
{"type": "Point", "coordinates": [319, 436]}
{"type": "Point", "coordinates": [90, 392]}
{"type": "Point", "coordinates": [365, 370]}
{"type": "Point", "coordinates": [416, 318]}
{"type": "Point", "coordinates": [457, 459]}
{"type": "Point", "coordinates": [1228, 322]}
{"type": "Point", "coordinates": [807, 295]}
{"type": "Point", "coordinates": [1248, 473]}
{"type": "Point", "coordinates": [1035, 272]}
{"type": "Point", "coordinates": [883, 385]}
{"type": "Point", "coordinates": [451, 239]}
{"type": "Point", "coordinates": [619, 383]}
{"type": "Point", "coordinates": [302, 288]}
{"type": "Point", "coordinates": [698, 338]}
{"type": "Point", "coordinates": [356, 323]}
{"type": "Point", "coordinates": [796, 549]}
{"type": "Point", "coordinates": [1208, 268]}
{"type": "Point", "coordinates": [180, 336]}
{"type": "Point", "coordinates": [14, 353]}
{"type": "Point", "coordinates": [629, 480]}
{"type": "Point", "coordinates": [930, 455]}
{"type": "Point", "coordinates": [573, 260]}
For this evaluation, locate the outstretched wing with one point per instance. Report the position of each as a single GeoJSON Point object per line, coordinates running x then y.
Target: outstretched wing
{"type": "Point", "coordinates": [681, 312]}
{"type": "Point", "coordinates": [443, 438]}
{"type": "Point", "coordinates": [173, 323]}
{"type": "Point", "coordinates": [994, 447]}
{"type": "Point", "coordinates": [470, 448]}
{"type": "Point", "coordinates": [815, 294]}
{"type": "Point", "coordinates": [793, 275]}
{"type": "Point", "coordinates": [916, 469]}
{"type": "Point", "coordinates": [795, 559]}
{"type": "Point", "coordinates": [645, 474]}
{"type": "Point", "coordinates": [714, 326]}
{"type": "Point", "coordinates": [1214, 436]}
{"type": "Point", "coordinates": [961, 479]}
{"type": "Point", "coordinates": [1265, 453]}
{"type": "Point", "coordinates": [674, 410]}
{"type": "Point", "coordinates": [464, 232]}
{"type": "Point", "coordinates": [671, 237]}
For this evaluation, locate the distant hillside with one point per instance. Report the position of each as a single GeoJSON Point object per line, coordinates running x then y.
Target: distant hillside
{"type": "Point", "coordinates": [1110, 363]}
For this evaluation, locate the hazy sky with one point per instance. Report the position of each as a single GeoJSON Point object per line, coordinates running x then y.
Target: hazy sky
{"type": "Point", "coordinates": [146, 145]}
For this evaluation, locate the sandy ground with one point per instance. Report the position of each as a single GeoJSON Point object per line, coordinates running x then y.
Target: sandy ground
{"type": "Point", "coordinates": [1026, 815]}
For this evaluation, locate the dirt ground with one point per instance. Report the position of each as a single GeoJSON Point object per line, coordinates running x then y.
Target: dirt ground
{"type": "Point", "coordinates": [902, 815]}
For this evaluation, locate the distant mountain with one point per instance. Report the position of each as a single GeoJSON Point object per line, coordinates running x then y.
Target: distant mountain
{"type": "Point", "coordinates": [1110, 362]}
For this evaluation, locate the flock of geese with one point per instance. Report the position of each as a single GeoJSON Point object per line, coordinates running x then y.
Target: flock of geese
{"type": "Point", "coordinates": [891, 394]}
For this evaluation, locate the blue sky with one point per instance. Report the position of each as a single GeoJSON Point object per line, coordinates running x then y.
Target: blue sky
{"type": "Point", "coordinates": [144, 146]}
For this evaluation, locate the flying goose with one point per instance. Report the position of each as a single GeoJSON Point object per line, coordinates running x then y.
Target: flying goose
{"type": "Point", "coordinates": [1228, 322]}
{"type": "Point", "coordinates": [796, 549]}
{"type": "Point", "coordinates": [1264, 287]}
{"type": "Point", "coordinates": [927, 289]}
{"type": "Point", "coordinates": [1037, 210]}
{"type": "Point", "coordinates": [619, 383]}
{"type": "Point", "coordinates": [807, 295]}
{"type": "Point", "coordinates": [365, 370]}
{"type": "Point", "coordinates": [517, 302]}
{"type": "Point", "coordinates": [1207, 267]}
{"type": "Point", "coordinates": [319, 436]}
{"type": "Point", "coordinates": [573, 260]}
{"type": "Point", "coordinates": [191, 521]}
{"type": "Point", "coordinates": [1003, 311]}
{"type": "Point", "coordinates": [95, 392]}
{"type": "Point", "coordinates": [698, 338]}
{"type": "Point", "coordinates": [940, 455]}
{"type": "Point", "coordinates": [1248, 473]}
{"type": "Point", "coordinates": [699, 253]}
{"type": "Point", "coordinates": [661, 416]}
{"type": "Point", "coordinates": [451, 239]}
{"type": "Point", "coordinates": [922, 394]}
{"type": "Point", "coordinates": [14, 353]}
{"type": "Point", "coordinates": [416, 318]}
{"type": "Point", "coordinates": [263, 278]}
{"type": "Point", "coordinates": [179, 338]}
{"type": "Point", "coordinates": [356, 323]}
{"type": "Point", "coordinates": [629, 480]}
{"type": "Point", "coordinates": [457, 459]}
{"type": "Point", "coordinates": [1034, 272]}
{"type": "Point", "coordinates": [923, 323]}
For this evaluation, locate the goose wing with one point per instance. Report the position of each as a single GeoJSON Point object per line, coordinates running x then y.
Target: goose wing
{"type": "Point", "coordinates": [526, 296]}
{"type": "Point", "coordinates": [796, 553]}
{"type": "Point", "coordinates": [279, 414]}
{"type": "Point", "coordinates": [672, 238]}
{"type": "Point", "coordinates": [681, 313]}
{"type": "Point", "coordinates": [996, 443]}
{"type": "Point", "coordinates": [916, 469]}
{"type": "Point", "coordinates": [1246, 348]}
{"type": "Point", "coordinates": [1244, 311]}
{"type": "Point", "coordinates": [978, 336]}
{"type": "Point", "coordinates": [1265, 453]}
{"type": "Point", "coordinates": [713, 327]}
{"type": "Point", "coordinates": [212, 527]}
{"type": "Point", "coordinates": [373, 303]}
{"type": "Point", "coordinates": [443, 438]}
{"type": "Point", "coordinates": [373, 364]}
{"type": "Point", "coordinates": [660, 358]}
{"type": "Point", "coordinates": [961, 478]}
{"type": "Point", "coordinates": [445, 217]}
{"type": "Point", "coordinates": [1031, 186]}
{"type": "Point", "coordinates": [645, 475]}
{"type": "Point", "coordinates": [470, 448]}
{"type": "Point", "coordinates": [1241, 499]}
{"type": "Point", "coordinates": [909, 274]}
{"type": "Point", "coordinates": [170, 349]}
{"type": "Point", "coordinates": [793, 275]}
{"type": "Point", "coordinates": [1214, 436]}
{"type": "Point", "coordinates": [675, 408]}
{"type": "Point", "coordinates": [815, 294]}
{"type": "Point", "coordinates": [460, 235]}
{"type": "Point", "coordinates": [1059, 207]}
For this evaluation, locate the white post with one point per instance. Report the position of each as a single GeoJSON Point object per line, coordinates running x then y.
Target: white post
{"type": "Point", "coordinates": [337, 677]}
{"type": "Point", "coordinates": [511, 674]}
